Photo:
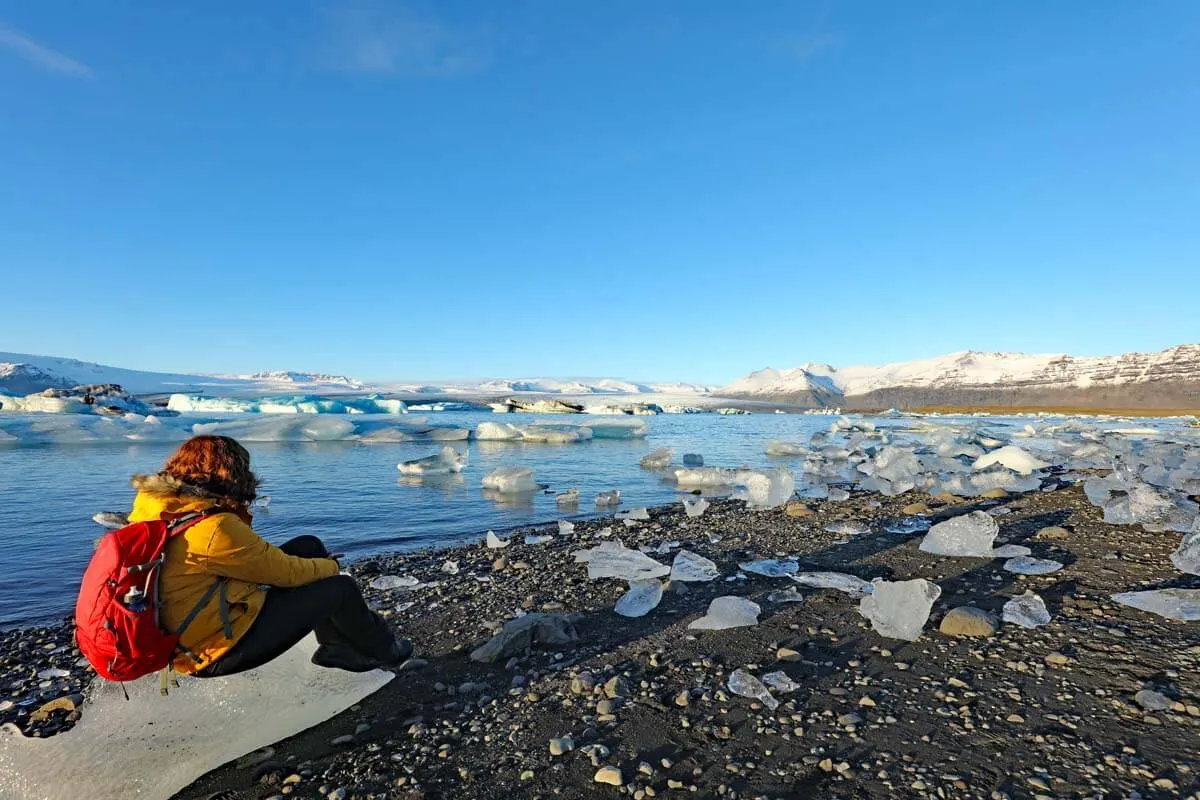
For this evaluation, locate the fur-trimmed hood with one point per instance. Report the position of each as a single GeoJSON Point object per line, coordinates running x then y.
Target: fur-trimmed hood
{"type": "Point", "coordinates": [162, 483]}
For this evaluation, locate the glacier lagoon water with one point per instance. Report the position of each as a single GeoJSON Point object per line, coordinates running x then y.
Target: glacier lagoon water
{"type": "Point", "coordinates": [351, 494]}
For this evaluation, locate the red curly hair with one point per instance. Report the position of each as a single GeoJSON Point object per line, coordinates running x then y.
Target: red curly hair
{"type": "Point", "coordinates": [217, 464]}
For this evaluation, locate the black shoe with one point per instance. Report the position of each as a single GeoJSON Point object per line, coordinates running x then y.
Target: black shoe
{"type": "Point", "coordinates": [402, 650]}
{"type": "Point", "coordinates": [335, 656]}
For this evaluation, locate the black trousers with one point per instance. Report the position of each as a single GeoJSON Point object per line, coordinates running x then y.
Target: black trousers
{"type": "Point", "coordinates": [333, 608]}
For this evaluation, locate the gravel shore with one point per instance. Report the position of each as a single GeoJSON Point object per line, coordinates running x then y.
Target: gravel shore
{"type": "Point", "coordinates": [642, 706]}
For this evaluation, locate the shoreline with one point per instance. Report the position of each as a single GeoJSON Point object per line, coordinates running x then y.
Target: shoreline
{"type": "Point", "coordinates": [873, 717]}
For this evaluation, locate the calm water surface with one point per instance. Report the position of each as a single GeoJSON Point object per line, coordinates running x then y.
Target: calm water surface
{"type": "Point", "coordinates": [349, 494]}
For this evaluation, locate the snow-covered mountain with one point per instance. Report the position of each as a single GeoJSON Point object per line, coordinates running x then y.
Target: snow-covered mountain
{"type": "Point", "coordinates": [21, 373]}
{"type": "Point", "coordinates": [1166, 379]}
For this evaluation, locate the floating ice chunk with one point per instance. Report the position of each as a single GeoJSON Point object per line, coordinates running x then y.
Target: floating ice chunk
{"type": "Point", "coordinates": [608, 499]}
{"type": "Point", "coordinates": [659, 459]}
{"type": "Point", "coordinates": [494, 542]}
{"type": "Point", "coordinates": [568, 498]}
{"type": "Point", "coordinates": [389, 582]}
{"type": "Point", "coordinates": [447, 461]}
{"type": "Point", "coordinates": [704, 476]}
{"type": "Point", "coordinates": [533, 538]}
{"type": "Point", "coordinates": [565, 528]}
{"type": "Point", "coordinates": [1011, 551]}
{"type": "Point", "coordinates": [970, 535]}
{"type": "Point", "coordinates": [786, 449]}
{"type": "Point", "coordinates": [1180, 604]}
{"type": "Point", "coordinates": [450, 567]}
{"type": "Point", "coordinates": [497, 432]}
{"type": "Point", "coordinates": [155, 746]}
{"type": "Point", "coordinates": [788, 595]}
{"type": "Point", "coordinates": [728, 611]}
{"type": "Point", "coordinates": [612, 559]}
{"type": "Point", "coordinates": [1186, 557]}
{"type": "Point", "coordinates": [695, 506]}
{"type": "Point", "coordinates": [908, 525]}
{"type": "Point", "coordinates": [618, 428]}
{"type": "Point", "coordinates": [185, 403]}
{"type": "Point", "coordinates": [1027, 565]}
{"type": "Point", "coordinates": [780, 682]}
{"type": "Point", "coordinates": [851, 585]}
{"type": "Point", "coordinates": [1011, 457]}
{"type": "Point", "coordinates": [900, 609]}
{"type": "Point", "coordinates": [771, 567]}
{"type": "Point", "coordinates": [848, 527]}
{"type": "Point", "coordinates": [693, 460]}
{"type": "Point", "coordinates": [744, 684]}
{"type": "Point", "coordinates": [642, 598]}
{"type": "Point", "coordinates": [1027, 610]}
{"type": "Point", "coordinates": [690, 567]}
{"type": "Point", "coordinates": [300, 428]}
{"type": "Point", "coordinates": [113, 520]}
{"type": "Point", "coordinates": [556, 434]}
{"type": "Point", "coordinates": [639, 514]}
{"type": "Point", "coordinates": [510, 480]}
{"type": "Point", "coordinates": [766, 488]}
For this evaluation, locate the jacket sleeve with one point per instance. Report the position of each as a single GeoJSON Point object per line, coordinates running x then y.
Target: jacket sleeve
{"type": "Point", "coordinates": [236, 551]}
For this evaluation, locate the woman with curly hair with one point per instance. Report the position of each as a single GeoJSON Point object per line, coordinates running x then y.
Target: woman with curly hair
{"type": "Point", "coordinates": [241, 601]}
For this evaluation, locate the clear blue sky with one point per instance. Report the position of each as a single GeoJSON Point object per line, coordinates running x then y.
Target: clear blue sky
{"type": "Point", "coordinates": [653, 190]}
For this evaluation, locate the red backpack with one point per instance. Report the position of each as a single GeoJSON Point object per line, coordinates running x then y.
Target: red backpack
{"type": "Point", "coordinates": [117, 623]}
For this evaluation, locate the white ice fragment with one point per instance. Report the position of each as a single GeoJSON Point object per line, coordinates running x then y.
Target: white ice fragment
{"type": "Point", "coordinates": [744, 684]}
{"type": "Point", "coordinates": [663, 548]}
{"type": "Point", "coordinates": [642, 598]}
{"type": "Point", "coordinates": [728, 611]}
{"type": "Point", "coordinates": [1011, 457]}
{"type": "Point", "coordinates": [1011, 551]}
{"type": "Point", "coordinates": [695, 506]}
{"type": "Point", "coordinates": [618, 428]}
{"type": "Point", "coordinates": [565, 528]}
{"type": "Point", "coordinates": [851, 585]}
{"type": "Point", "coordinates": [1180, 604]}
{"type": "Point", "coordinates": [568, 498]}
{"type": "Point", "coordinates": [53, 672]}
{"type": "Point", "coordinates": [765, 489]}
{"type": "Point", "coordinates": [970, 535]}
{"type": "Point", "coordinates": [780, 682]}
{"type": "Point", "coordinates": [533, 538]}
{"type": "Point", "coordinates": [638, 514]}
{"type": "Point", "coordinates": [1186, 557]}
{"type": "Point", "coordinates": [900, 609]}
{"type": "Point", "coordinates": [494, 542]}
{"type": "Point", "coordinates": [786, 449]}
{"type": "Point", "coordinates": [388, 582]}
{"type": "Point", "coordinates": [447, 461]}
{"type": "Point", "coordinates": [690, 567]}
{"type": "Point", "coordinates": [510, 480]}
{"type": "Point", "coordinates": [659, 459]}
{"type": "Point", "coordinates": [112, 520]}
{"type": "Point", "coordinates": [837, 494]}
{"type": "Point", "coordinates": [848, 527]}
{"type": "Point", "coordinates": [155, 746]}
{"type": "Point", "coordinates": [614, 560]}
{"type": "Point", "coordinates": [1027, 565]}
{"type": "Point", "coordinates": [608, 499]}
{"type": "Point", "coordinates": [1027, 610]}
{"type": "Point", "coordinates": [771, 567]}
{"type": "Point", "coordinates": [788, 595]}
{"type": "Point", "coordinates": [908, 525]}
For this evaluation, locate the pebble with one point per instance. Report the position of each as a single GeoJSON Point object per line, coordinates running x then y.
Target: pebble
{"type": "Point", "coordinates": [969, 621]}
{"type": "Point", "coordinates": [1057, 659]}
{"type": "Point", "coordinates": [561, 745]}
{"type": "Point", "coordinates": [1053, 533]}
{"type": "Point", "coordinates": [797, 509]}
{"type": "Point", "coordinates": [1151, 700]}
{"type": "Point", "coordinates": [787, 654]}
{"type": "Point", "coordinates": [610, 775]}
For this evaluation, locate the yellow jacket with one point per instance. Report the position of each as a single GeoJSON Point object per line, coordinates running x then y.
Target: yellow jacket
{"type": "Point", "coordinates": [220, 546]}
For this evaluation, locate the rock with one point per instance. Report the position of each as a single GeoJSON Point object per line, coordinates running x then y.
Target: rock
{"type": "Point", "coordinates": [1053, 533]}
{"type": "Point", "coordinates": [337, 794]}
{"type": "Point", "coordinates": [797, 509]}
{"type": "Point", "coordinates": [615, 687]}
{"type": "Point", "coordinates": [995, 494]}
{"type": "Point", "coordinates": [913, 509]}
{"type": "Point", "coordinates": [561, 745]}
{"type": "Point", "coordinates": [519, 635]}
{"type": "Point", "coordinates": [1057, 659]}
{"type": "Point", "coordinates": [605, 707]}
{"type": "Point", "coordinates": [1151, 700]}
{"type": "Point", "coordinates": [610, 775]}
{"type": "Point", "coordinates": [342, 740]}
{"type": "Point", "coordinates": [787, 654]}
{"type": "Point", "coordinates": [683, 699]}
{"type": "Point", "coordinates": [969, 621]}
{"type": "Point", "coordinates": [58, 704]}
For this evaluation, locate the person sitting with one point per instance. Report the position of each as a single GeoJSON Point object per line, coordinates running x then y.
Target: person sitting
{"type": "Point", "coordinates": [239, 600]}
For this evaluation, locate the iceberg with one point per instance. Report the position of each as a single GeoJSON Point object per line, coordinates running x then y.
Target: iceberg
{"type": "Point", "coordinates": [690, 567]}
{"type": "Point", "coordinates": [555, 434]}
{"type": "Point", "coordinates": [447, 461]}
{"type": "Point", "coordinates": [192, 403]}
{"type": "Point", "coordinates": [277, 429]}
{"type": "Point", "coordinates": [971, 535]}
{"type": "Point", "coordinates": [497, 432]}
{"type": "Point", "coordinates": [786, 449]}
{"type": "Point", "coordinates": [510, 480]}
{"type": "Point", "coordinates": [900, 609]}
{"type": "Point", "coordinates": [155, 746]}
{"type": "Point", "coordinates": [618, 428]}
{"type": "Point", "coordinates": [608, 499]}
{"type": "Point", "coordinates": [642, 598]}
{"type": "Point", "coordinates": [728, 612]}
{"type": "Point", "coordinates": [568, 498]}
{"type": "Point", "coordinates": [1013, 458]}
{"type": "Point", "coordinates": [659, 459]}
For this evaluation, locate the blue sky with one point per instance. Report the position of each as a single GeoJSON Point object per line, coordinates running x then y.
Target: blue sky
{"type": "Point", "coordinates": [653, 190]}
